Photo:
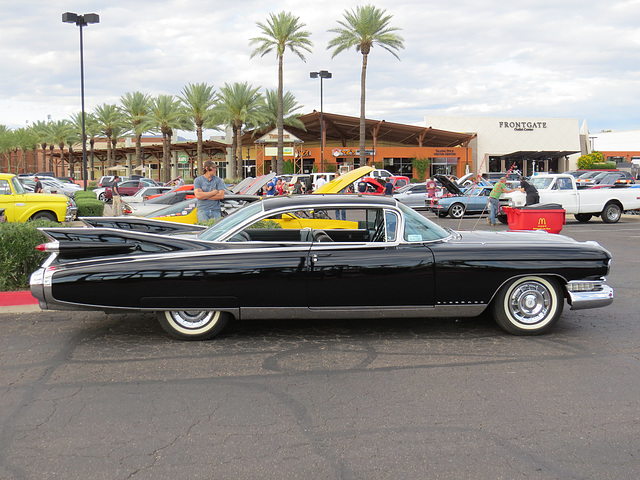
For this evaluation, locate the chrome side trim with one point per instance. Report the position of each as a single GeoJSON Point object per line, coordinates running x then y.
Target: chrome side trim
{"type": "Point", "coordinates": [259, 313]}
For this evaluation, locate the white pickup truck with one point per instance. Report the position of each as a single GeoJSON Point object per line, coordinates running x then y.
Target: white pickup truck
{"type": "Point", "coordinates": [608, 203]}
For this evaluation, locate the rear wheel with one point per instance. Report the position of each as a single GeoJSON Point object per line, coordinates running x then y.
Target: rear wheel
{"type": "Point", "coordinates": [528, 305]}
{"type": "Point", "coordinates": [456, 210]}
{"type": "Point", "coordinates": [193, 324]}
{"type": "Point", "coordinates": [611, 213]}
{"type": "Point", "coordinates": [583, 217]}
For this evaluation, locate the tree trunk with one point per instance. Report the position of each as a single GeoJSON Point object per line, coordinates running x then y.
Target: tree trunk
{"type": "Point", "coordinates": [61, 145]}
{"type": "Point", "coordinates": [280, 121]}
{"type": "Point", "coordinates": [199, 148]}
{"type": "Point", "coordinates": [238, 172]}
{"type": "Point", "coordinates": [51, 157]}
{"type": "Point", "coordinates": [109, 151]}
{"type": "Point", "coordinates": [363, 132]}
{"type": "Point", "coordinates": [166, 155]}
{"type": "Point", "coordinates": [92, 143]}
{"type": "Point", "coordinates": [138, 150]}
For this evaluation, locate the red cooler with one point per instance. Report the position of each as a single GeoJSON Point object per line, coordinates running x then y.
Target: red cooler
{"type": "Point", "coordinates": [549, 217]}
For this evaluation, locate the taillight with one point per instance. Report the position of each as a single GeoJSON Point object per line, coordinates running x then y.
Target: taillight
{"type": "Point", "coordinates": [48, 247]}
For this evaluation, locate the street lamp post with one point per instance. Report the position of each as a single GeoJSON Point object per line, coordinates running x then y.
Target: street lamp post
{"type": "Point", "coordinates": [322, 74]}
{"type": "Point", "coordinates": [81, 21]}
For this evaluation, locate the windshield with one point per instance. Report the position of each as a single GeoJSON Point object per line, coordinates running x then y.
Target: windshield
{"type": "Point", "coordinates": [418, 228]}
{"type": "Point", "coordinates": [541, 182]}
{"type": "Point", "coordinates": [232, 221]}
{"type": "Point", "coordinates": [17, 186]}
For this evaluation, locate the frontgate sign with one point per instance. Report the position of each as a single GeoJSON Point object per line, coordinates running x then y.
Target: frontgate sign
{"type": "Point", "coordinates": [524, 126]}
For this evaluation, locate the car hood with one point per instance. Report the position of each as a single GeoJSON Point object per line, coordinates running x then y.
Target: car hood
{"type": "Point", "coordinates": [256, 185]}
{"type": "Point", "coordinates": [448, 184]}
{"type": "Point", "coordinates": [343, 181]}
{"type": "Point", "coordinates": [509, 242]}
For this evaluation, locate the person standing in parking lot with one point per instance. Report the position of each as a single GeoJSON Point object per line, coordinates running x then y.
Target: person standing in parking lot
{"type": "Point", "coordinates": [115, 196]}
{"type": "Point", "coordinates": [494, 199]}
{"type": "Point", "coordinates": [208, 189]}
{"type": "Point", "coordinates": [38, 187]}
{"type": "Point", "coordinates": [432, 186]}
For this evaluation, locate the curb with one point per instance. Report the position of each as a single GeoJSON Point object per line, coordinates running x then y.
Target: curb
{"type": "Point", "coordinates": [18, 302]}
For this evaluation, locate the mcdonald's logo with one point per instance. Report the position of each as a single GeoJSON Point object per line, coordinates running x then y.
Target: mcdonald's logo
{"type": "Point", "coordinates": [542, 224]}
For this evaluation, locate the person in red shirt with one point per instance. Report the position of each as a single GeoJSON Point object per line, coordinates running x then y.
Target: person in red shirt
{"type": "Point", "coordinates": [432, 186]}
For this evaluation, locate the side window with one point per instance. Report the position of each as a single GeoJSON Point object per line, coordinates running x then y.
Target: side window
{"type": "Point", "coordinates": [4, 188]}
{"type": "Point", "coordinates": [391, 220]}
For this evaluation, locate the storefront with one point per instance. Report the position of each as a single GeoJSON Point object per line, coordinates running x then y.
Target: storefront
{"type": "Point", "coordinates": [398, 148]}
{"type": "Point", "coordinates": [528, 145]}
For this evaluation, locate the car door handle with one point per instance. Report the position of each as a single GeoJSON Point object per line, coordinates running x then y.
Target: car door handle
{"type": "Point", "coordinates": [314, 257]}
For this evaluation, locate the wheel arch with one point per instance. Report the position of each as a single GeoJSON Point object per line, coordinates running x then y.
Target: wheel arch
{"type": "Point", "coordinates": [553, 276]}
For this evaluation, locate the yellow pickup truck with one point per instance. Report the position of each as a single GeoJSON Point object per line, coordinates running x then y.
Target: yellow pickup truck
{"type": "Point", "coordinates": [20, 205]}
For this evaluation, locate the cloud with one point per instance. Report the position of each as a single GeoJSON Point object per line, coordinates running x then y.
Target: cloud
{"type": "Point", "coordinates": [563, 58]}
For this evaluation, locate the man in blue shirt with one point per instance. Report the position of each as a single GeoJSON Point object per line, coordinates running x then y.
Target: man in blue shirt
{"type": "Point", "coordinates": [271, 187]}
{"type": "Point", "coordinates": [208, 189]}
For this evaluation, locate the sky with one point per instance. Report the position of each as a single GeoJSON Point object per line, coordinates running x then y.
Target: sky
{"type": "Point", "coordinates": [531, 58]}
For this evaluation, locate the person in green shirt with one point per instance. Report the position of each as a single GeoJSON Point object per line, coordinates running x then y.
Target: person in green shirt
{"type": "Point", "coordinates": [494, 199]}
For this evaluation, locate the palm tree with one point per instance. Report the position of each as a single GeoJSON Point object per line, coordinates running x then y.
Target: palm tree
{"type": "Point", "coordinates": [118, 132]}
{"type": "Point", "coordinates": [5, 145]}
{"type": "Point", "coordinates": [167, 114]}
{"type": "Point", "coordinates": [108, 117]}
{"type": "Point", "coordinates": [289, 106]}
{"type": "Point", "coordinates": [198, 100]}
{"type": "Point", "coordinates": [362, 28]}
{"type": "Point", "coordinates": [24, 139]}
{"type": "Point", "coordinates": [238, 104]}
{"type": "Point", "coordinates": [135, 115]}
{"type": "Point", "coordinates": [43, 134]}
{"type": "Point", "coordinates": [61, 131]}
{"type": "Point", "coordinates": [281, 31]}
{"type": "Point", "coordinates": [91, 130]}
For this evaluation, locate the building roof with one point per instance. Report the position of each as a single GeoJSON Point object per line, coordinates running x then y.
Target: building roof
{"type": "Point", "coordinates": [345, 129]}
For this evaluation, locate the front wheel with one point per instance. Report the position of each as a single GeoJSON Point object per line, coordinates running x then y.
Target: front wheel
{"type": "Point", "coordinates": [583, 217]}
{"type": "Point", "coordinates": [193, 324]}
{"type": "Point", "coordinates": [456, 210]}
{"type": "Point", "coordinates": [528, 305]}
{"type": "Point", "coordinates": [611, 213]}
{"type": "Point", "coordinates": [102, 197]}
{"type": "Point", "coordinates": [44, 216]}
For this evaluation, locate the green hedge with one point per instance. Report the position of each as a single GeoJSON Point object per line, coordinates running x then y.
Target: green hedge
{"type": "Point", "coordinates": [88, 204]}
{"type": "Point", "coordinates": [18, 254]}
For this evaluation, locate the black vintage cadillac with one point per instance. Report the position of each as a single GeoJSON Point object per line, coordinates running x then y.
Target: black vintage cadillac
{"type": "Point", "coordinates": [317, 256]}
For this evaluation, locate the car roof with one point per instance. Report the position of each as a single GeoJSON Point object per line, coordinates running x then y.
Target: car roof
{"type": "Point", "coordinates": [328, 200]}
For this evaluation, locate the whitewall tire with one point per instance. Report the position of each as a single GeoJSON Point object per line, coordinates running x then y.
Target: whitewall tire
{"type": "Point", "coordinates": [529, 305]}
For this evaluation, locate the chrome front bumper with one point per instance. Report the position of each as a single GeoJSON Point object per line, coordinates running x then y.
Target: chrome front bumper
{"type": "Point", "coordinates": [585, 294]}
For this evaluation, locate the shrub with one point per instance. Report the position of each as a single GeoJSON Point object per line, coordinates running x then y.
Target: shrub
{"type": "Point", "coordinates": [604, 166]}
{"type": "Point", "coordinates": [88, 204]}
{"type": "Point", "coordinates": [18, 254]}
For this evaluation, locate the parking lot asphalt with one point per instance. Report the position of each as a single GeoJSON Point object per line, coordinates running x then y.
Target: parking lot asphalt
{"type": "Point", "coordinates": [86, 395]}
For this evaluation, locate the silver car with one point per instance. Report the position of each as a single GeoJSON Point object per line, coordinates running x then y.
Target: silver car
{"type": "Point", "coordinates": [413, 195]}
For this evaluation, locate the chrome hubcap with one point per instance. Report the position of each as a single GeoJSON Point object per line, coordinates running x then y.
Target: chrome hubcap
{"type": "Point", "coordinates": [530, 302]}
{"type": "Point", "coordinates": [192, 318]}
